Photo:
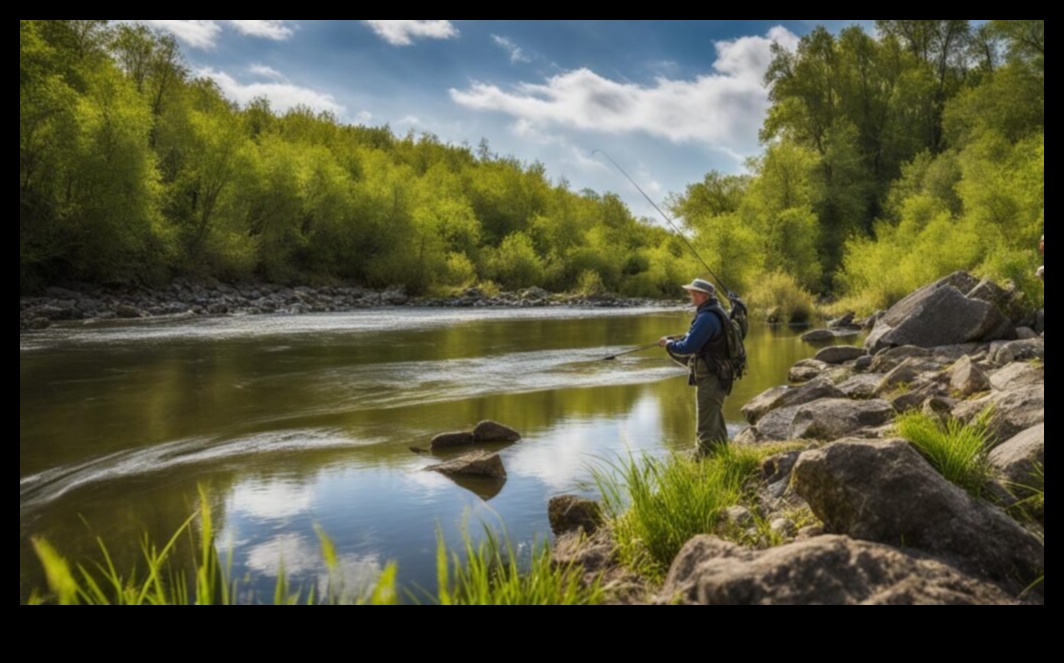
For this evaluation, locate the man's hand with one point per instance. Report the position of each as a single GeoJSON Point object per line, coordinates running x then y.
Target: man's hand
{"type": "Point", "coordinates": [665, 340]}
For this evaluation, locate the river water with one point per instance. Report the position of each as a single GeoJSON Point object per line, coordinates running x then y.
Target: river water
{"type": "Point", "coordinates": [297, 422]}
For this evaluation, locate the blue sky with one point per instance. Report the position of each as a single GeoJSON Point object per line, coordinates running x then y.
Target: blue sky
{"type": "Point", "coordinates": [669, 100]}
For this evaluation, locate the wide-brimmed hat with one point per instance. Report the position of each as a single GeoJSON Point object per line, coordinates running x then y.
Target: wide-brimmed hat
{"type": "Point", "coordinates": [698, 285]}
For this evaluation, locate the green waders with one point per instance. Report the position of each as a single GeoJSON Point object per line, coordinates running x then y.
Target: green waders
{"type": "Point", "coordinates": [712, 431]}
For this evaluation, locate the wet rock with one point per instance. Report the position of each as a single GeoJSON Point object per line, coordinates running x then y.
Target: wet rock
{"type": "Point", "coordinates": [807, 370]}
{"type": "Point", "coordinates": [940, 314]}
{"type": "Point", "coordinates": [1032, 350]}
{"type": "Point", "coordinates": [818, 336]}
{"type": "Point", "coordinates": [967, 379]}
{"type": "Point", "coordinates": [1020, 459]}
{"type": "Point", "coordinates": [574, 514]}
{"type": "Point", "coordinates": [477, 464]}
{"type": "Point", "coordinates": [490, 431]}
{"type": "Point", "coordinates": [837, 418]}
{"type": "Point", "coordinates": [827, 570]}
{"type": "Point", "coordinates": [781, 397]}
{"type": "Point", "coordinates": [884, 491]}
{"type": "Point", "coordinates": [840, 354]}
{"type": "Point", "coordinates": [451, 440]}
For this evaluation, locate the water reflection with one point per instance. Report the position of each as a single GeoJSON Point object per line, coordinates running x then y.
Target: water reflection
{"type": "Point", "coordinates": [297, 422]}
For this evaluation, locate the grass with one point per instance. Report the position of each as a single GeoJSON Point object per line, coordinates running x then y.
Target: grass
{"type": "Point", "coordinates": [492, 573]}
{"type": "Point", "coordinates": [655, 506]}
{"type": "Point", "coordinates": [957, 450]}
{"type": "Point", "coordinates": [778, 297]}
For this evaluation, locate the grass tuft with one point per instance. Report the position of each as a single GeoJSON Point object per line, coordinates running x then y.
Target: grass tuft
{"type": "Point", "coordinates": [957, 450]}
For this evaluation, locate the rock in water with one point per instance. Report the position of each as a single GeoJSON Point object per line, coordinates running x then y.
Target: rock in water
{"type": "Point", "coordinates": [489, 431]}
{"type": "Point", "coordinates": [574, 514]}
{"type": "Point", "coordinates": [885, 492]}
{"type": "Point", "coordinates": [477, 464]}
{"type": "Point", "coordinates": [451, 440]}
{"type": "Point", "coordinates": [827, 570]}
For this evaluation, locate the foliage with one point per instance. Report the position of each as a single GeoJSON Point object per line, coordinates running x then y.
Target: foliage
{"type": "Point", "coordinates": [957, 450]}
{"type": "Point", "coordinates": [781, 299]}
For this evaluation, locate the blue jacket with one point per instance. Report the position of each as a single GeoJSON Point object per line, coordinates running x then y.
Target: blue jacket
{"type": "Point", "coordinates": [706, 326]}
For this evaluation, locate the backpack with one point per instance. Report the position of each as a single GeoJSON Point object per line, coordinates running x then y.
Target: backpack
{"type": "Point", "coordinates": [732, 365]}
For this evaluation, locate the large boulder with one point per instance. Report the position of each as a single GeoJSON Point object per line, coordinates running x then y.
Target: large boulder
{"type": "Point", "coordinates": [450, 441]}
{"type": "Point", "coordinates": [827, 570]}
{"type": "Point", "coordinates": [574, 514]}
{"type": "Point", "coordinates": [1018, 376]}
{"type": "Point", "coordinates": [476, 464]}
{"type": "Point", "coordinates": [884, 491]}
{"type": "Point", "coordinates": [1021, 459]}
{"type": "Point", "coordinates": [1007, 353]}
{"type": "Point", "coordinates": [781, 397]}
{"type": "Point", "coordinates": [837, 418]}
{"type": "Point", "coordinates": [490, 431]}
{"type": "Point", "coordinates": [940, 314]}
{"type": "Point", "coordinates": [840, 354]}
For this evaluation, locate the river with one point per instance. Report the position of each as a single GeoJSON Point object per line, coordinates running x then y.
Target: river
{"type": "Point", "coordinates": [297, 422]}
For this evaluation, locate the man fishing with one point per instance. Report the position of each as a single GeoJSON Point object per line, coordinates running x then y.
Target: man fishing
{"type": "Point", "coordinates": [704, 351]}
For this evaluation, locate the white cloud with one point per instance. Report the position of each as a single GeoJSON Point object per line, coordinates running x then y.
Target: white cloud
{"type": "Point", "coordinates": [723, 109]}
{"type": "Point", "coordinates": [282, 96]}
{"type": "Point", "coordinates": [264, 71]}
{"type": "Point", "coordinates": [363, 117]}
{"type": "Point", "coordinates": [204, 34]}
{"type": "Point", "coordinates": [403, 33]}
{"type": "Point", "coordinates": [517, 55]}
{"type": "Point", "coordinates": [276, 30]}
{"type": "Point", "coordinates": [197, 34]}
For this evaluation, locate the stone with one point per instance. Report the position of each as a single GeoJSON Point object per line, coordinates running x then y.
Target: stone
{"type": "Point", "coordinates": [1040, 321]}
{"type": "Point", "coordinates": [784, 527]}
{"type": "Point", "coordinates": [490, 431]}
{"type": "Point", "coordinates": [127, 312]}
{"type": "Point", "coordinates": [574, 514]}
{"type": "Point", "coordinates": [1026, 334]}
{"type": "Point", "coordinates": [839, 354]}
{"type": "Point", "coordinates": [1013, 412]}
{"type": "Point", "coordinates": [818, 336]}
{"type": "Point", "coordinates": [451, 440]}
{"type": "Point", "coordinates": [1020, 461]}
{"type": "Point", "coordinates": [781, 397]}
{"type": "Point", "coordinates": [844, 322]}
{"type": "Point", "coordinates": [1032, 350]}
{"type": "Point", "coordinates": [939, 314]}
{"type": "Point", "coordinates": [825, 570]}
{"type": "Point", "coordinates": [887, 360]}
{"type": "Point", "coordinates": [776, 425]}
{"type": "Point", "coordinates": [1017, 376]}
{"type": "Point", "coordinates": [885, 492]}
{"type": "Point", "coordinates": [967, 379]}
{"type": "Point", "coordinates": [862, 364]}
{"type": "Point", "coordinates": [478, 464]}
{"type": "Point", "coordinates": [535, 294]}
{"type": "Point", "coordinates": [861, 387]}
{"type": "Point", "coordinates": [807, 370]}
{"type": "Point", "coordinates": [39, 324]}
{"type": "Point", "coordinates": [909, 374]}
{"type": "Point", "coordinates": [837, 418]}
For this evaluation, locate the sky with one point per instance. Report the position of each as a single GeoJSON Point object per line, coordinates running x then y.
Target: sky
{"type": "Point", "coordinates": [668, 100]}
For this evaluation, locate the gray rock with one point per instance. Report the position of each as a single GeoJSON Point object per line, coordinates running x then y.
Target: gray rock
{"type": "Point", "coordinates": [967, 378]}
{"type": "Point", "coordinates": [1026, 334]}
{"type": "Point", "coordinates": [818, 336]}
{"type": "Point", "coordinates": [1013, 412]}
{"type": "Point", "coordinates": [451, 440]}
{"type": "Point", "coordinates": [1032, 350]}
{"type": "Point", "coordinates": [1040, 321]}
{"type": "Point", "coordinates": [840, 354]}
{"type": "Point", "coordinates": [1018, 376]}
{"type": "Point", "coordinates": [781, 397]}
{"type": "Point", "coordinates": [940, 314]}
{"type": "Point", "coordinates": [490, 431]}
{"type": "Point", "coordinates": [807, 370]}
{"type": "Point", "coordinates": [574, 514]}
{"type": "Point", "coordinates": [827, 570]}
{"type": "Point", "coordinates": [737, 517]}
{"type": "Point", "coordinates": [784, 527]}
{"type": "Point", "coordinates": [884, 491]}
{"type": "Point", "coordinates": [887, 360]}
{"type": "Point", "coordinates": [844, 322]}
{"type": "Point", "coordinates": [776, 425]}
{"type": "Point", "coordinates": [476, 464]}
{"type": "Point", "coordinates": [1019, 460]}
{"type": "Point", "coordinates": [38, 324]}
{"type": "Point", "coordinates": [535, 294]}
{"type": "Point", "coordinates": [910, 374]}
{"type": "Point", "coordinates": [837, 418]}
{"type": "Point", "coordinates": [127, 312]}
{"type": "Point", "coordinates": [862, 363]}
{"type": "Point", "coordinates": [861, 387]}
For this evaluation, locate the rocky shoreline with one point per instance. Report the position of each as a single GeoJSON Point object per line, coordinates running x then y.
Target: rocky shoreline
{"type": "Point", "coordinates": [890, 529]}
{"type": "Point", "coordinates": [192, 298]}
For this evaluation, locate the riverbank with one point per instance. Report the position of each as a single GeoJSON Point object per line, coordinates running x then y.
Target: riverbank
{"type": "Point", "coordinates": [913, 473]}
{"type": "Point", "coordinates": [191, 298]}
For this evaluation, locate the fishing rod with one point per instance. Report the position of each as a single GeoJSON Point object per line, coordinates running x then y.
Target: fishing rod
{"type": "Point", "coordinates": [629, 352]}
{"type": "Point", "coordinates": [731, 295]}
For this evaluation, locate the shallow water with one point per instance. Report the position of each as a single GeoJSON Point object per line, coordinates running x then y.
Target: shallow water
{"type": "Point", "coordinates": [299, 422]}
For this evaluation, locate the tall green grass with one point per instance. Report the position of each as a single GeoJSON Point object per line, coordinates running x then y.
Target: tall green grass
{"type": "Point", "coordinates": [957, 450]}
{"type": "Point", "coordinates": [655, 506]}
{"type": "Point", "coordinates": [491, 573]}
{"type": "Point", "coordinates": [778, 296]}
